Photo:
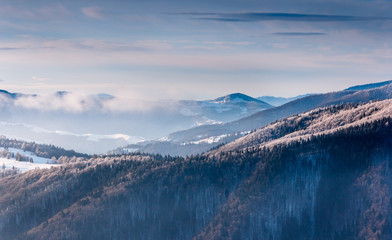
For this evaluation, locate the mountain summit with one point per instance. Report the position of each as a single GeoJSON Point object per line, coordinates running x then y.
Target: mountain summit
{"type": "Point", "coordinates": [238, 97]}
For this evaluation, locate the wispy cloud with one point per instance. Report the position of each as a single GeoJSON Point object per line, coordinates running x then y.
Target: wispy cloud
{"type": "Point", "coordinates": [296, 34]}
{"type": "Point", "coordinates": [153, 45]}
{"type": "Point", "coordinates": [229, 43]}
{"type": "Point", "coordinates": [47, 12]}
{"type": "Point", "coordinates": [50, 12]}
{"type": "Point", "coordinates": [98, 137]}
{"type": "Point", "coordinates": [260, 60]}
{"type": "Point", "coordinates": [39, 79]}
{"type": "Point", "coordinates": [271, 16]}
{"type": "Point", "coordinates": [9, 48]}
{"type": "Point", "coordinates": [94, 12]}
{"type": "Point", "coordinates": [86, 44]}
{"type": "Point", "coordinates": [11, 25]}
{"type": "Point", "coordinates": [146, 45]}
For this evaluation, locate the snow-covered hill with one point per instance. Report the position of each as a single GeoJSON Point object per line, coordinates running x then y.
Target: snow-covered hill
{"type": "Point", "coordinates": [320, 121]}
{"type": "Point", "coordinates": [22, 161]}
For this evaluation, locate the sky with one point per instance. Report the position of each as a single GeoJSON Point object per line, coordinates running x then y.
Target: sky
{"type": "Point", "coordinates": [179, 49]}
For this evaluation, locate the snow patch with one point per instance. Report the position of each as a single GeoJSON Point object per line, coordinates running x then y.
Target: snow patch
{"type": "Point", "coordinates": [37, 162]}
{"type": "Point", "coordinates": [207, 121]}
{"type": "Point", "coordinates": [129, 150]}
{"type": "Point", "coordinates": [209, 140]}
{"type": "Point", "coordinates": [164, 139]}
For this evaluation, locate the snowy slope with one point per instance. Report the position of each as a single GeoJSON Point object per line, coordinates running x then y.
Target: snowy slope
{"type": "Point", "coordinates": [23, 166]}
{"type": "Point", "coordinates": [316, 122]}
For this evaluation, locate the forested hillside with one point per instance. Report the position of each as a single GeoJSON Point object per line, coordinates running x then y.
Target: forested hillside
{"type": "Point", "coordinates": [315, 122]}
{"type": "Point", "coordinates": [41, 150]}
{"type": "Point", "coordinates": [332, 185]}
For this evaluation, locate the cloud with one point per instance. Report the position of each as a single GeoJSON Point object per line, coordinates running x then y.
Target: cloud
{"type": "Point", "coordinates": [86, 44]}
{"type": "Point", "coordinates": [14, 26]}
{"type": "Point", "coordinates": [88, 136]}
{"type": "Point", "coordinates": [47, 12]}
{"type": "Point", "coordinates": [39, 79]}
{"type": "Point", "coordinates": [152, 44]}
{"type": "Point", "coordinates": [99, 137]}
{"type": "Point", "coordinates": [260, 60]}
{"type": "Point", "coordinates": [79, 103]}
{"type": "Point", "coordinates": [9, 48]}
{"type": "Point", "coordinates": [270, 16]}
{"type": "Point", "coordinates": [69, 103]}
{"type": "Point", "coordinates": [295, 34]}
{"type": "Point", "coordinates": [94, 12]}
{"type": "Point", "coordinates": [51, 12]}
{"type": "Point", "coordinates": [225, 43]}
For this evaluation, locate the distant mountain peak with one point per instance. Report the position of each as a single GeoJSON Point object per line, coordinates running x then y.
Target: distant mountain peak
{"type": "Point", "coordinates": [61, 93]}
{"type": "Point", "coordinates": [4, 91]}
{"type": "Point", "coordinates": [368, 86]}
{"type": "Point", "coordinates": [236, 97]}
{"type": "Point", "coordinates": [278, 101]}
{"type": "Point", "coordinates": [9, 94]}
{"type": "Point", "coordinates": [105, 96]}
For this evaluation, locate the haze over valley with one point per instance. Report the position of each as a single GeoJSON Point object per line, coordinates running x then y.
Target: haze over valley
{"type": "Point", "coordinates": [98, 123]}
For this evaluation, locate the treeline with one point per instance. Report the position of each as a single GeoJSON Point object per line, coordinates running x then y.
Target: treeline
{"type": "Point", "coordinates": [41, 150]}
{"type": "Point", "coordinates": [17, 156]}
{"type": "Point", "coordinates": [8, 172]}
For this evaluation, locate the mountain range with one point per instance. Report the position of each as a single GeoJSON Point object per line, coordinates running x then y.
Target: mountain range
{"type": "Point", "coordinates": [200, 139]}
{"type": "Point", "coordinates": [98, 123]}
{"type": "Point", "coordinates": [278, 101]}
{"type": "Point", "coordinates": [324, 173]}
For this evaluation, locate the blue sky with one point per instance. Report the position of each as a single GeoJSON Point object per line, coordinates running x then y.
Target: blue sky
{"type": "Point", "coordinates": [193, 49]}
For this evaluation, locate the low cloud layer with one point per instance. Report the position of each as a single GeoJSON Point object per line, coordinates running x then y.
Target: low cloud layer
{"type": "Point", "coordinates": [78, 103]}
{"type": "Point", "coordinates": [83, 142]}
